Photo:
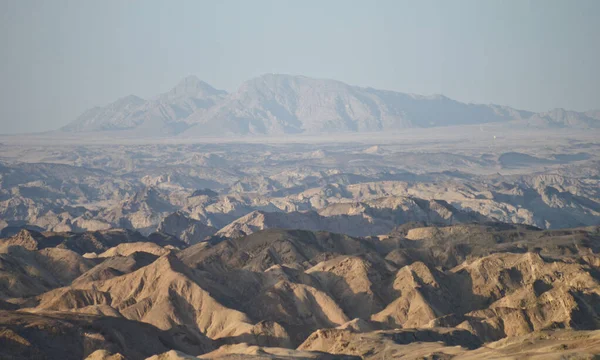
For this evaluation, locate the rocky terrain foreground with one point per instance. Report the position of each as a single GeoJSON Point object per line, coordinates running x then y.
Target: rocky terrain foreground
{"type": "Point", "coordinates": [465, 291]}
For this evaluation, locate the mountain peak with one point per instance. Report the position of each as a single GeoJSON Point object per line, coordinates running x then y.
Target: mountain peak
{"type": "Point", "coordinates": [192, 86]}
{"type": "Point", "coordinates": [128, 100]}
{"type": "Point", "coordinates": [191, 80]}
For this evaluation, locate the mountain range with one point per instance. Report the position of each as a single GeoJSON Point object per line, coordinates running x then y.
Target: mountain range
{"type": "Point", "coordinates": [450, 245]}
{"type": "Point", "coordinates": [275, 104]}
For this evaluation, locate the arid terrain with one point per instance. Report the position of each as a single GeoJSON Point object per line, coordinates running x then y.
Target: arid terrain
{"type": "Point", "coordinates": [480, 243]}
{"type": "Point", "coordinates": [360, 185]}
{"type": "Point", "coordinates": [287, 180]}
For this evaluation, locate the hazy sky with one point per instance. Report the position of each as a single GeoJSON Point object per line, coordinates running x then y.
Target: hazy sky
{"type": "Point", "coordinates": [59, 58]}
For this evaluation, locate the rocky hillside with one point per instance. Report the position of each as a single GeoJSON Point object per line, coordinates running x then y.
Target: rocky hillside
{"type": "Point", "coordinates": [464, 291]}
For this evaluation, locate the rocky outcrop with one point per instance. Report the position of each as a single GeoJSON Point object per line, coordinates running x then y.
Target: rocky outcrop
{"type": "Point", "coordinates": [188, 230]}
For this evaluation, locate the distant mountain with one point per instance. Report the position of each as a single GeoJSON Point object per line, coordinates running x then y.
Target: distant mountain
{"type": "Point", "coordinates": [120, 114]}
{"type": "Point", "coordinates": [163, 115]}
{"type": "Point", "coordinates": [284, 104]}
{"type": "Point", "coordinates": [561, 118]}
{"type": "Point", "coordinates": [594, 114]}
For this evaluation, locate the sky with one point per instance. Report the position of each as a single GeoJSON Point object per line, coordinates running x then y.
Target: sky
{"type": "Point", "coordinates": [59, 58]}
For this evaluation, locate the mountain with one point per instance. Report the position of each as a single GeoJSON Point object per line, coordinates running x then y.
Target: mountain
{"type": "Point", "coordinates": [190, 96]}
{"type": "Point", "coordinates": [191, 88]}
{"type": "Point", "coordinates": [275, 104]}
{"type": "Point", "coordinates": [284, 104]}
{"type": "Point", "coordinates": [561, 118]}
{"type": "Point", "coordinates": [121, 114]}
{"type": "Point", "coordinates": [162, 115]}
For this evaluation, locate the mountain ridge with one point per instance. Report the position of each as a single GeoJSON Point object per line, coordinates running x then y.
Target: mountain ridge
{"type": "Point", "coordinates": [277, 104]}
